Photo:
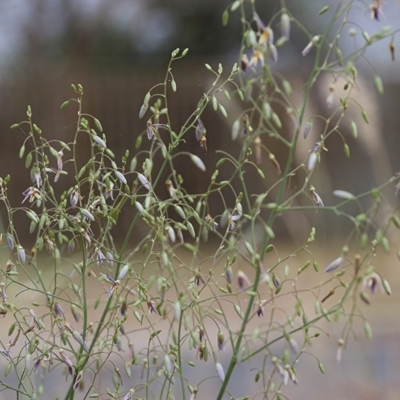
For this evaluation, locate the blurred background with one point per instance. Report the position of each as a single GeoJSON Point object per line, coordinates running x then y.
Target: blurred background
{"type": "Point", "coordinates": [119, 49]}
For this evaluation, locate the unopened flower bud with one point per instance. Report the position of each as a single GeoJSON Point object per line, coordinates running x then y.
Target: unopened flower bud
{"type": "Point", "coordinates": [220, 339]}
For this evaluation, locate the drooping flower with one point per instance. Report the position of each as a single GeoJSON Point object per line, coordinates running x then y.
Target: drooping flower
{"type": "Point", "coordinates": [315, 196]}
{"type": "Point", "coordinates": [310, 45]}
{"type": "Point", "coordinates": [67, 361]}
{"type": "Point", "coordinates": [59, 165]}
{"type": "Point", "coordinates": [143, 180]}
{"type": "Point", "coordinates": [35, 175]}
{"type": "Point", "coordinates": [31, 194]}
{"type": "Point", "coordinates": [372, 282]}
{"type": "Point", "coordinates": [242, 280]}
{"type": "Point", "coordinates": [338, 263]}
{"type": "Point", "coordinates": [221, 340]}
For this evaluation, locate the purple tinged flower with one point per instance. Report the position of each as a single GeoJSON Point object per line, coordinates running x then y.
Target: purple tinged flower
{"type": "Point", "coordinates": [32, 194]}
{"type": "Point", "coordinates": [221, 340]}
{"type": "Point", "coordinates": [282, 371]}
{"type": "Point", "coordinates": [140, 208]}
{"type": "Point", "coordinates": [21, 254]}
{"type": "Point", "coordinates": [179, 234]}
{"type": "Point", "coordinates": [260, 308]}
{"type": "Point", "coordinates": [123, 271]}
{"type": "Point", "coordinates": [200, 129]}
{"type": "Point", "coordinates": [97, 255]}
{"type": "Point", "coordinates": [376, 9]}
{"type": "Point", "coordinates": [5, 354]}
{"type": "Point", "coordinates": [75, 334]}
{"type": "Point", "coordinates": [209, 220]}
{"type": "Point", "coordinates": [143, 180]}
{"type": "Point", "coordinates": [292, 374]}
{"type": "Point", "coordinates": [294, 346]}
{"type": "Point", "coordinates": [266, 37]}
{"type": "Point", "coordinates": [259, 21]}
{"type": "Point", "coordinates": [99, 141]}
{"type": "Point", "coordinates": [276, 281]}
{"type": "Point", "coordinates": [124, 307]}
{"type": "Point", "coordinates": [35, 175]}
{"type": "Point", "coordinates": [129, 395]}
{"type": "Point", "coordinates": [110, 259]}
{"type": "Point", "coordinates": [121, 177]}
{"type": "Point", "coordinates": [150, 130]}
{"type": "Point", "coordinates": [338, 263]}
{"type": "Point", "coordinates": [316, 198]}
{"type": "Point", "coordinates": [10, 242]}
{"type": "Point", "coordinates": [151, 305]}
{"type": "Point", "coordinates": [35, 320]}
{"type": "Point", "coordinates": [228, 274]}
{"type": "Point", "coordinates": [66, 361]}
{"type": "Point", "coordinates": [71, 246]}
{"type": "Point", "coordinates": [232, 221]}
{"type": "Point", "coordinates": [242, 280]}
{"type": "Point", "coordinates": [198, 162]}
{"type": "Point", "coordinates": [58, 310]}
{"type": "Point", "coordinates": [36, 364]}
{"type": "Point", "coordinates": [372, 282]}
{"type": "Point", "coordinates": [74, 197]}
{"type": "Point", "coordinates": [78, 380]}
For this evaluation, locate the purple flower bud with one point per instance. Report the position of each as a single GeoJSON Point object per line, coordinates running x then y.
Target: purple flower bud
{"type": "Point", "coordinates": [143, 180]}
{"type": "Point", "coordinates": [121, 177]}
{"type": "Point", "coordinates": [74, 197]}
{"type": "Point", "coordinates": [335, 264]}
